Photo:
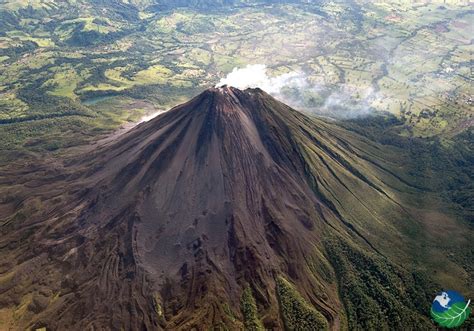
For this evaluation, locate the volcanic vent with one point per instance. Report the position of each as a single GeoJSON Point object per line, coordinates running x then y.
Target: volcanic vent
{"type": "Point", "coordinates": [225, 211]}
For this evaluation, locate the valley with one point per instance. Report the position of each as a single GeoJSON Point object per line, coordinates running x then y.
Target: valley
{"type": "Point", "coordinates": [355, 60]}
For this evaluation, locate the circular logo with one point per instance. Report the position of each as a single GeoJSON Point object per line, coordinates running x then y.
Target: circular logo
{"type": "Point", "coordinates": [449, 309]}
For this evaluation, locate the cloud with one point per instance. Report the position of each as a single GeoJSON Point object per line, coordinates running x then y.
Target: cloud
{"type": "Point", "coordinates": [349, 101]}
{"type": "Point", "coordinates": [255, 75]}
{"type": "Point", "coordinates": [149, 117]}
{"type": "Point", "coordinates": [303, 92]}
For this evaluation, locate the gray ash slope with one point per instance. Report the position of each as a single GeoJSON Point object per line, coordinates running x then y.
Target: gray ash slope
{"type": "Point", "coordinates": [165, 227]}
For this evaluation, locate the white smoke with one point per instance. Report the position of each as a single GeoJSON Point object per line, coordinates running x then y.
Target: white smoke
{"type": "Point", "coordinates": [151, 116]}
{"type": "Point", "coordinates": [302, 92]}
{"type": "Point", "coordinates": [348, 101]}
{"type": "Point", "coordinates": [255, 75]}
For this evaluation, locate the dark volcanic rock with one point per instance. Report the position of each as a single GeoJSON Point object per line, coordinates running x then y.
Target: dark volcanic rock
{"type": "Point", "coordinates": [165, 227]}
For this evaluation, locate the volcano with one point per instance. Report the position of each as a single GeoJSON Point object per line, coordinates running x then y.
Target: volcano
{"type": "Point", "coordinates": [231, 211]}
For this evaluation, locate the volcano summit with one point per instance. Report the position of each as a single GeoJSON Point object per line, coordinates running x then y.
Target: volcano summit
{"type": "Point", "coordinates": [230, 211]}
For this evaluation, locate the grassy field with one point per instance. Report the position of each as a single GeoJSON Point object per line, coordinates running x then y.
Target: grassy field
{"type": "Point", "coordinates": [411, 60]}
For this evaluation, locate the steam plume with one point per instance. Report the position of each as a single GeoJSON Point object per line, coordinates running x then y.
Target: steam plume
{"type": "Point", "coordinates": [302, 92]}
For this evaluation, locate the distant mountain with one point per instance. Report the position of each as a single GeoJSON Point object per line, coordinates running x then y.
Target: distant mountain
{"type": "Point", "coordinates": [231, 210]}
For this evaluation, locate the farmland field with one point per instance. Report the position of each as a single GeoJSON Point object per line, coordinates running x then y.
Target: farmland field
{"type": "Point", "coordinates": [57, 60]}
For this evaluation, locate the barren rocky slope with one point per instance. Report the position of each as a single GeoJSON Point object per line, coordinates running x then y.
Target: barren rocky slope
{"type": "Point", "coordinates": [229, 211]}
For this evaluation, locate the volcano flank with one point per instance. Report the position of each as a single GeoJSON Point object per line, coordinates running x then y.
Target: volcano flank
{"type": "Point", "coordinates": [230, 211]}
